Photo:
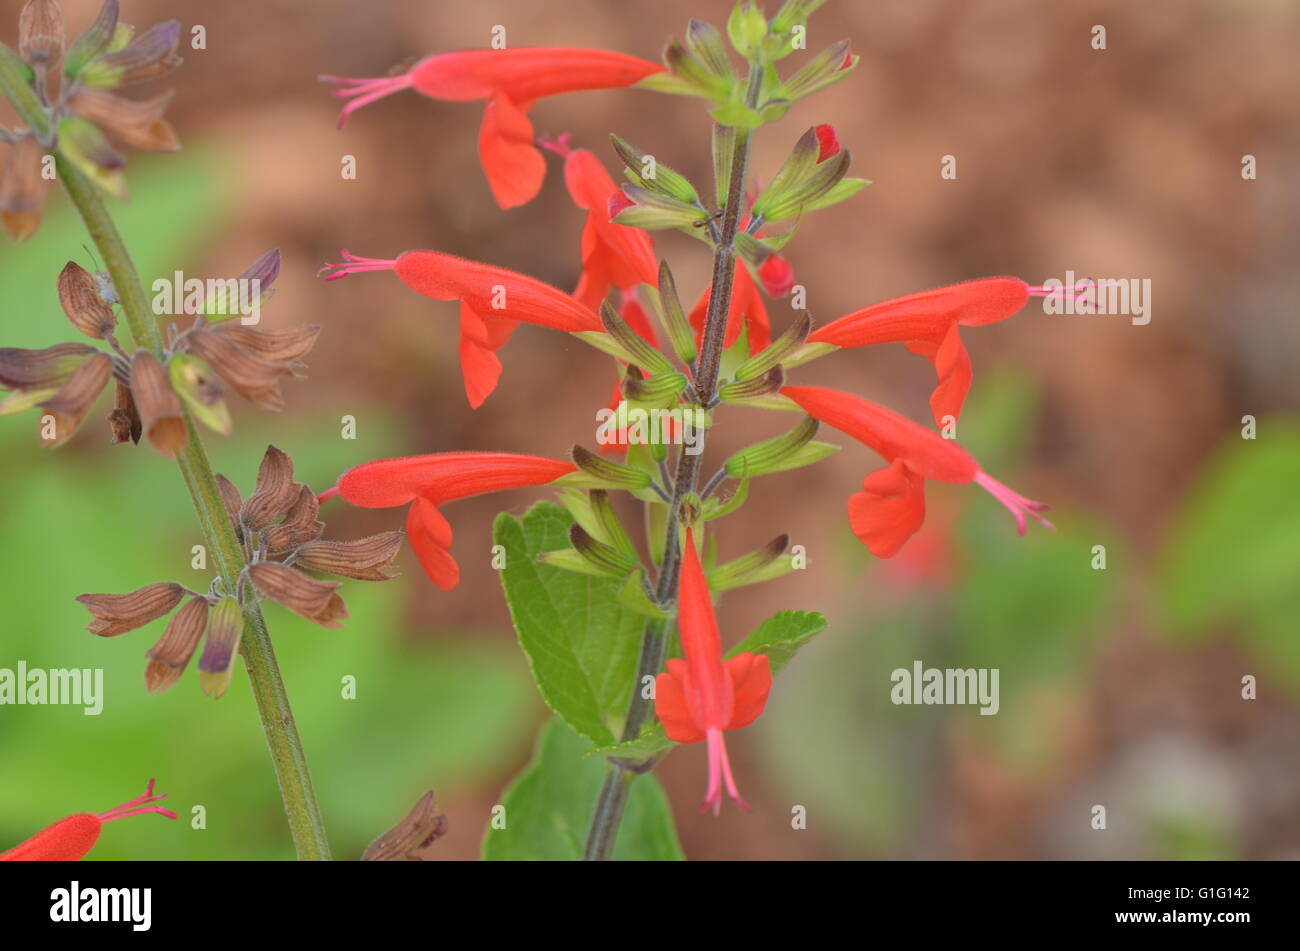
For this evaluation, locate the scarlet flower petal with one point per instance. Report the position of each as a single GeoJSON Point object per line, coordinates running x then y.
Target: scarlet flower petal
{"type": "Point", "coordinates": [953, 367]}
{"type": "Point", "coordinates": [751, 678]}
{"type": "Point", "coordinates": [889, 510]}
{"type": "Point", "coordinates": [895, 437]}
{"type": "Point", "coordinates": [828, 143]}
{"type": "Point", "coordinates": [430, 535]}
{"type": "Point", "coordinates": [671, 690]}
{"type": "Point", "coordinates": [444, 477]}
{"type": "Point", "coordinates": [514, 167]}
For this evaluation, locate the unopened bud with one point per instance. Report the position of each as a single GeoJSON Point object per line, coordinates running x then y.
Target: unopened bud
{"type": "Point", "coordinates": [221, 637]}
{"type": "Point", "coordinates": [201, 392]}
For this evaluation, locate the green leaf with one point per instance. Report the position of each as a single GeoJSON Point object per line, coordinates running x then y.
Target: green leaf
{"type": "Point", "coordinates": [581, 642]}
{"type": "Point", "coordinates": [781, 636]}
{"type": "Point", "coordinates": [549, 807]}
{"type": "Point", "coordinates": [1229, 560]}
{"type": "Point", "coordinates": [651, 742]}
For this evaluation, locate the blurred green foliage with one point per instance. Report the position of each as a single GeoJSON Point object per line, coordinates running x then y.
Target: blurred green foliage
{"type": "Point", "coordinates": [448, 713]}
{"type": "Point", "coordinates": [1229, 562]}
{"type": "Point", "coordinates": [1031, 607]}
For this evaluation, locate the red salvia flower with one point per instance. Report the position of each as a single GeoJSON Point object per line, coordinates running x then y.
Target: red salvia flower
{"type": "Point", "coordinates": [511, 80]}
{"type": "Point", "coordinates": [73, 836]}
{"type": "Point", "coordinates": [613, 255]}
{"type": "Point", "coordinates": [700, 697]}
{"type": "Point", "coordinates": [891, 506]}
{"type": "Point", "coordinates": [493, 301]}
{"type": "Point", "coordinates": [928, 323]}
{"type": "Point", "coordinates": [427, 482]}
{"type": "Point", "coordinates": [747, 310]}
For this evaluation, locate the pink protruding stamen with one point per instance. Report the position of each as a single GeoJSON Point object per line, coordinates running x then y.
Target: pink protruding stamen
{"type": "Point", "coordinates": [558, 144]}
{"type": "Point", "coordinates": [1016, 504]}
{"type": "Point", "coordinates": [363, 91]}
{"type": "Point", "coordinates": [719, 774]}
{"type": "Point", "coordinates": [1077, 291]}
{"type": "Point", "coordinates": [730, 780]}
{"type": "Point", "coordinates": [713, 797]}
{"type": "Point", "coordinates": [138, 806]}
{"type": "Point", "coordinates": [352, 264]}
{"type": "Point", "coordinates": [327, 495]}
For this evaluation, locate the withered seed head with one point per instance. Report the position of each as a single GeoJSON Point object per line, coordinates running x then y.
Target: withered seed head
{"type": "Point", "coordinates": [41, 369]}
{"type": "Point", "coordinates": [157, 403]}
{"type": "Point", "coordinates": [299, 525]}
{"type": "Point", "coordinates": [81, 301]}
{"type": "Point", "coordinates": [274, 493]}
{"type": "Point", "coordinates": [70, 404]}
{"type": "Point", "coordinates": [314, 600]}
{"type": "Point", "coordinates": [22, 188]}
{"type": "Point", "coordinates": [114, 614]}
{"type": "Point", "coordinates": [40, 32]}
{"type": "Point", "coordinates": [124, 419]}
{"type": "Point", "coordinates": [221, 639]}
{"type": "Point", "coordinates": [167, 658]}
{"type": "Point", "coordinates": [231, 502]}
{"type": "Point", "coordinates": [253, 377]}
{"type": "Point", "coordinates": [423, 825]}
{"type": "Point", "coordinates": [137, 123]}
{"type": "Point", "coordinates": [201, 391]}
{"type": "Point", "coordinates": [282, 346]}
{"type": "Point", "coordinates": [366, 559]}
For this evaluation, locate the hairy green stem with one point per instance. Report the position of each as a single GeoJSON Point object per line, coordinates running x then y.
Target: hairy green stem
{"type": "Point", "coordinates": [603, 831]}
{"type": "Point", "coordinates": [290, 761]}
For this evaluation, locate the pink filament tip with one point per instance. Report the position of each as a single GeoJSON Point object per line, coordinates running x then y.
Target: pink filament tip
{"type": "Point", "coordinates": [719, 775]}
{"type": "Point", "coordinates": [138, 806]}
{"type": "Point", "coordinates": [352, 264]}
{"type": "Point", "coordinates": [559, 144]}
{"type": "Point", "coordinates": [1018, 505]}
{"type": "Point", "coordinates": [1077, 291]}
{"type": "Point", "coordinates": [363, 91]}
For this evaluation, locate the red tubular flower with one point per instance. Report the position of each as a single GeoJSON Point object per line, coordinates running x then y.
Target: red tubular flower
{"type": "Point", "coordinates": [427, 482]}
{"type": "Point", "coordinates": [73, 836]}
{"type": "Point", "coordinates": [891, 506]}
{"type": "Point", "coordinates": [700, 697]}
{"type": "Point", "coordinates": [927, 323]}
{"type": "Point", "coordinates": [511, 80]}
{"type": "Point", "coordinates": [493, 301]}
{"type": "Point", "coordinates": [613, 255]}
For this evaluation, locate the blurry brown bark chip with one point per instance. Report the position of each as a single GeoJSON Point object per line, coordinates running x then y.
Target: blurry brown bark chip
{"type": "Point", "coordinates": [423, 825]}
